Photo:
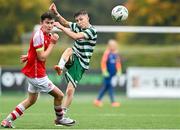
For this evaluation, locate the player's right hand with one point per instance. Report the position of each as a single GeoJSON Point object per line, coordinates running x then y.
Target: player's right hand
{"type": "Point", "coordinates": [54, 38]}
{"type": "Point", "coordinates": [58, 25]}
{"type": "Point", "coordinates": [53, 8]}
{"type": "Point", "coordinates": [23, 58]}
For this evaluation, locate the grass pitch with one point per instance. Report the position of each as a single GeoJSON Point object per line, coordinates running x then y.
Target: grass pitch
{"type": "Point", "coordinates": [133, 113]}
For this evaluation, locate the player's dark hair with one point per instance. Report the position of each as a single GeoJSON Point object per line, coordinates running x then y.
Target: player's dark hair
{"type": "Point", "coordinates": [81, 12]}
{"type": "Point", "coordinates": [48, 15]}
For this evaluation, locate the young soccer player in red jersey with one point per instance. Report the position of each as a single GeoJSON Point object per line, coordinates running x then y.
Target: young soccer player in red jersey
{"type": "Point", "coordinates": [41, 45]}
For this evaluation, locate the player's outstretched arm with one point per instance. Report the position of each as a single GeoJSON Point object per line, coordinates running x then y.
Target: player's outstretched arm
{"type": "Point", "coordinates": [70, 33]}
{"type": "Point", "coordinates": [61, 19]}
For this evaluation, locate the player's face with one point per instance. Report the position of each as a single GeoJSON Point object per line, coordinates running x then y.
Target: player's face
{"type": "Point", "coordinates": [82, 21]}
{"type": "Point", "coordinates": [47, 25]}
{"type": "Point", "coordinates": [112, 45]}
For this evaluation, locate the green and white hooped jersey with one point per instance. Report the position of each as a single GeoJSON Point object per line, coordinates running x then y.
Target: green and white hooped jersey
{"type": "Point", "coordinates": [83, 48]}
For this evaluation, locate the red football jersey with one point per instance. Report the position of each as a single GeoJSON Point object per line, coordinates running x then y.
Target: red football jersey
{"type": "Point", "coordinates": [35, 68]}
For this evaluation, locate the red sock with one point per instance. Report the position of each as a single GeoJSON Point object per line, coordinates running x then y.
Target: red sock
{"type": "Point", "coordinates": [17, 112]}
{"type": "Point", "coordinates": [59, 112]}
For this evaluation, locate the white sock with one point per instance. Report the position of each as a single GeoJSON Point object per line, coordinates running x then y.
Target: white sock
{"type": "Point", "coordinates": [17, 112]}
{"type": "Point", "coordinates": [65, 110]}
{"type": "Point", "coordinates": [21, 107]}
{"type": "Point", "coordinates": [62, 63]}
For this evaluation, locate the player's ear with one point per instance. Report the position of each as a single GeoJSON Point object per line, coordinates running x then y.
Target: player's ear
{"type": "Point", "coordinates": [88, 18]}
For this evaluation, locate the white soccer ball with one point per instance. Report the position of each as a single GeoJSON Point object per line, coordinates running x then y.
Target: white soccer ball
{"type": "Point", "coordinates": [119, 13]}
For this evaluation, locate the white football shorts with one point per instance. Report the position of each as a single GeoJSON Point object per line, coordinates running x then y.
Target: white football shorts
{"type": "Point", "coordinates": [37, 85]}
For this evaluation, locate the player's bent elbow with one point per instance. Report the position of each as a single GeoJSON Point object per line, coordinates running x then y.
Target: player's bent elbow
{"type": "Point", "coordinates": [66, 24]}
{"type": "Point", "coordinates": [69, 51]}
{"type": "Point", "coordinates": [41, 58]}
{"type": "Point", "coordinates": [77, 37]}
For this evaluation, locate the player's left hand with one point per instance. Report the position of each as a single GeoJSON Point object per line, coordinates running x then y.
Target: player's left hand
{"type": "Point", "coordinates": [23, 58]}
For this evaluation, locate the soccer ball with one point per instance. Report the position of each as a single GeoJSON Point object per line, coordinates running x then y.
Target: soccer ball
{"type": "Point", "coordinates": [119, 13]}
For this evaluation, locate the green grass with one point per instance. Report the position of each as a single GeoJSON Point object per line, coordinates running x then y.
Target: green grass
{"type": "Point", "coordinates": [133, 113]}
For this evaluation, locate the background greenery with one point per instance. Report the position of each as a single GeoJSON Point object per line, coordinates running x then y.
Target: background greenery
{"type": "Point", "coordinates": [134, 55]}
{"type": "Point", "coordinates": [136, 49]}
{"type": "Point", "coordinates": [18, 17]}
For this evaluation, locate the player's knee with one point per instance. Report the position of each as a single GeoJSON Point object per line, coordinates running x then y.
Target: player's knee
{"type": "Point", "coordinates": [69, 51]}
{"type": "Point", "coordinates": [60, 96]}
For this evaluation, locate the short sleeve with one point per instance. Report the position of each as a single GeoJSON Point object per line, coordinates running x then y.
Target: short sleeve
{"type": "Point", "coordinates": [72, 26]}
{"type": "Point", "coordinates": [38, 39]}
{"type": "Point", "coordinates": [90, 34]}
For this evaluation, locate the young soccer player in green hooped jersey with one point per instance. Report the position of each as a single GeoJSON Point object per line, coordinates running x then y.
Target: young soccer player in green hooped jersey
{"type": "Point", "coordinates": [77, 58]}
